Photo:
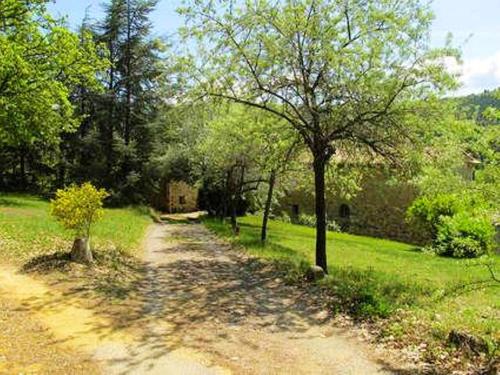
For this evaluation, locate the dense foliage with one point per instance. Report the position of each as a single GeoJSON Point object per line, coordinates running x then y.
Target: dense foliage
{"type": "Point", "coordinates": [459, 180]}
{"type": "Point", "coordinates": [464, 236]}
{"type": "Point", "coordinates": [78, 207]}
{"type": "Point", "coordinates": [459, 226]}
{"type": "Point", "coordinates": [479, 106]}
{"type": "Point", "coordinates": [42, 64]}
{"type": "Point", "coordinates": [80, 106]}
{"type": "Point", "coordinates": [429, 211]}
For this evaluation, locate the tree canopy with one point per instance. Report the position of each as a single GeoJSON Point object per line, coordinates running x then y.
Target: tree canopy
{"type": "Point", "coordinates": [42, 63]}
{"type": "Point", "coordinates": [342, 74]}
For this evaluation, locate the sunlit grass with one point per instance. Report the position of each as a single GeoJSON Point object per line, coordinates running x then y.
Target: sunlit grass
{"type": "Point", "coordinates": [27, 229]}
{"type": "Point", "coordinates": [388, 274]}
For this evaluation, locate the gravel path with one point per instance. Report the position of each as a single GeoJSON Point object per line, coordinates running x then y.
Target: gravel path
{"type": "Point", "coordinates": [227, 313]}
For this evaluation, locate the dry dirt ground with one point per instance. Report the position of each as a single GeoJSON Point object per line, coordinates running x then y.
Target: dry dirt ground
{"type": "Point", "coordinates": [27, 347]}
{"type": "Point", "coordinates": [199, 308]}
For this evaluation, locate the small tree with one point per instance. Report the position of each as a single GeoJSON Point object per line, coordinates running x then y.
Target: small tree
{"type": "Point", "coordinates": [77, 208]}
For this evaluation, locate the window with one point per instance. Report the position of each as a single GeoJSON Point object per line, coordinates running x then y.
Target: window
{"type": "Point", "coordinates": [182, 199]}
{"type": "Point", "coordinates": [344, 211]}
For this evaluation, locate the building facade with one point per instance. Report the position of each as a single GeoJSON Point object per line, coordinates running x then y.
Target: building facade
{"type": "Point", "coordinates": [378, 210]}
{"type": "Point", "coordinates": [177, 197]}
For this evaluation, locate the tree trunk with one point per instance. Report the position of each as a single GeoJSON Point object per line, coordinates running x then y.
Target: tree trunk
{"type": "Point", "coordinates": [226, 197]}
{"type": "Point", "coordinates": [128, 78]}
{"type": "Point", "coordinates": [234, 222]}
{"type": "Point", "coordinates": [320, 206]}
{"type": "Point", "coordinates": [223, 212]}
{"type": "Point", "coordinates": [22, 169]}
{"type": "Point", "coordinates": [80, 252]}
{"type": "Point", "coordinates": [267, 208]}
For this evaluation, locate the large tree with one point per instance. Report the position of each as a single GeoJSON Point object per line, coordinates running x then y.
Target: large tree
{"type": "Point", "coordinates": [118, 126]}
{"type": "Point", "coordinates": [41, 64]}
{"type": "Point", "coordinates": [132, 98]}
{"type": "Point", "coordinates": [343, 74]}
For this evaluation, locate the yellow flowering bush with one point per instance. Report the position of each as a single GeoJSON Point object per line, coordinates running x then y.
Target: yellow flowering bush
{"type": "Point", "coordinates": [77, 207]}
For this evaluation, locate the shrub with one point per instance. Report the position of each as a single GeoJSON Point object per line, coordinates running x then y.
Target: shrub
{"type": "Point", "coordinates": [367, 294]}
{"type": "Point", "coordinates": [77, 208]}
{"type": "Point", "coordinates": [464, 236]}
{"type": "Point", "coordinates": [333, 226]}
{"type": "Point", "coordinates": [429, 211]}
{"type": "Point", "coordinates": [459, 227]}
{"type": "Point", "coordinates": [307, 220]}
{"type": "Point", "coordinates": [310, 221]}
{"type": "Point", "coordinates": [284, 217]}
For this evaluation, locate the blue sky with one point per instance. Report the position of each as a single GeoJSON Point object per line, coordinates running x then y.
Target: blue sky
{"type": "Point", "coordinates": [475, 25]}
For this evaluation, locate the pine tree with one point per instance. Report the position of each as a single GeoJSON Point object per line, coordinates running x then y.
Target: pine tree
{"type": "Point", "coordinates": [114, 142]}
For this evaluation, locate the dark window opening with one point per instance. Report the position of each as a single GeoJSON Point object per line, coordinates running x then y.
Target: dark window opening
{"type": "Point", "coordinates": [344, 211]}
{"type": "Point", "coordinates": [182, 199]}
{"type": "Point", "coordinates": [295, 209]}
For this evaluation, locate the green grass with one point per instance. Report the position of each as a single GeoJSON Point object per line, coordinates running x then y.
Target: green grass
{"type": "Point", "coordinates": [27, 230]}
{"type": "Point", "coordinates": [375, 277]}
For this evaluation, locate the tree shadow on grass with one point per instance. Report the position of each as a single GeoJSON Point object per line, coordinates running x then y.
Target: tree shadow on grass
{"type": "Point", "coordinates": [47, 263]}
{"type": "Point", "coordinates": [19, 201]}
{"type": "Point", "coordinates": [273, 249]}
{"type": "Point", "coordinates": [113, 273]}
{"type": "Point", "coordinates": [178, 221]}
{"type": "Point", "coordinates": [5, 202]}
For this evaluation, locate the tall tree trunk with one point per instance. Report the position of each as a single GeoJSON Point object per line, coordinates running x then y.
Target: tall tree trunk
{"type": "Point", "coordinates": [267, 208]}
{"type": "Point", "coordinates": [236, 199]}
{"type": "Point", "coordinates": [223, 212]}
{"type": "Point", "coordinates": [320, 206]}
{"type": "Point", "coordinates": [22, 168]}
{"type": "Point", "coordinates": [61, 175]}
{"type": "Point", "coordinates": [234, 222]}
{"type": "Point", "coordinates": [128, 76]}
{"type": "Point", "coordinates": [226, 197]}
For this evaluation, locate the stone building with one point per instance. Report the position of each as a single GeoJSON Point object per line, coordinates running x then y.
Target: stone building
{"type": "Point", "coordinates": [378, 210]}
{"type": "Point", "coordinates": [177, 197]}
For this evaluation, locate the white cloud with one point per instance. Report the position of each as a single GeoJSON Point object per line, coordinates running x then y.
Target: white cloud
{"type": "Point", "coordinates": [476, 74]}
{"type": "Point", "coordinates": [489, 66]}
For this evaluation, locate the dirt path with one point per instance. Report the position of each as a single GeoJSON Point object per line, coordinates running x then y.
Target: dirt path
{"type": "Point", "coordinates": [199, 308]}
{"type": "Point", "coordinates": [232, 311]}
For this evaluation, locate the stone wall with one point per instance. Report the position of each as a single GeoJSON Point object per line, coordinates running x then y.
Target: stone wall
{"type": "Point", "coordinates": [379, 210]}
{"type": "Point", "coordinates": [181, 197]}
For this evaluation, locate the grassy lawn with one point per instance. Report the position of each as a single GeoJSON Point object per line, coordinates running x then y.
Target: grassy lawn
{"type": "Point", "coordinates": [378, 277]}
{"type": "Point", "coordinates": [27, 230]}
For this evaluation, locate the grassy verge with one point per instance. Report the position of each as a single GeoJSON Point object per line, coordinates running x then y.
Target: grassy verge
{"type": "Point", "coordinates": [28, 231]}
{"type": "Point", "coordinates": [421, 296]}
{"type": "Point", "coordinates": [33, 241]}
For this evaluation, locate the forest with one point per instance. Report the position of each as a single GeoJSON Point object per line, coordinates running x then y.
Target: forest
{"type": "Point", "coordinates": [248, 104]}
